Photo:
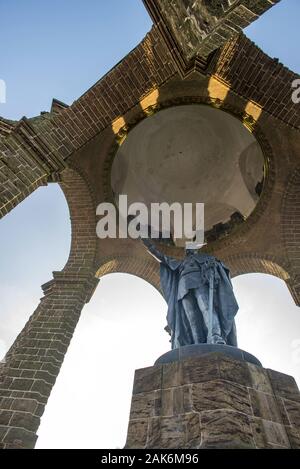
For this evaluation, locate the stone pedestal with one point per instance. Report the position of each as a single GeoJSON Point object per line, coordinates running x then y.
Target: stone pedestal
{"type": "Point", "coordinates": [213, 401]}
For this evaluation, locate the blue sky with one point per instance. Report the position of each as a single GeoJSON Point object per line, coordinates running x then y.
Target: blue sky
{"type": "Point", "coordinates": [59, 49]}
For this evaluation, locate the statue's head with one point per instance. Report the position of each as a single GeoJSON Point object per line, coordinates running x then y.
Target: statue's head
{"type": "Point", "coordinates": [192, 249]}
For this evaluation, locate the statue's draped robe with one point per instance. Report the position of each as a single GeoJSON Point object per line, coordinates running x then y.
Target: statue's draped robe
{"type": "Point", "coordinates": [224, 302]}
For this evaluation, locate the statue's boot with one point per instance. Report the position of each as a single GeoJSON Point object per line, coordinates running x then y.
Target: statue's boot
{"type": "Point", "coordinates": [217, 339]}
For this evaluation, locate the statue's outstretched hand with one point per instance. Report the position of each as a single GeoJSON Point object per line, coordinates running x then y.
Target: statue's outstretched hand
{"type": "Point", "coordinates": [152, 249]}
{"type": "Point", "coordinates": [146, 242]}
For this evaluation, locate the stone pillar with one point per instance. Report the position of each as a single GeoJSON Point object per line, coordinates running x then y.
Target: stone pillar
{"type": "Point", "coordinates": [30, 368]}
{"type": "Point", "coordinates": [213, 401]}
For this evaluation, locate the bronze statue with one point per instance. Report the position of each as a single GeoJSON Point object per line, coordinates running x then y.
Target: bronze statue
{"type": "Point", "coordinates": [199, 293]}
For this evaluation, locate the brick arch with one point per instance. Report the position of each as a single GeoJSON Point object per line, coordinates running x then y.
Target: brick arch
{"type": "Point", "coordinates": [239, 264]}
{"type": "Point", "coordinates": [148, 270]}
{"type": "Point", "coordinates": [256, 263]}
{"type": "Point", "coordinates": [290, 219]}
{"type": "Point", "coordinates": [266, 264]}
{"type": "Point", "coordinates": [41, 346]}
{"type": "Point", "coordinates": [290, 230]}
{"type": "Point", "coordinates": [82, 209]}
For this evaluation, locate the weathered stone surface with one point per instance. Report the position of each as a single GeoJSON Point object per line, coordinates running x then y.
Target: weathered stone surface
{"type": "Point", "coordinates": [213, 401]}
{"type": "Point", "coordinates": [226, 429]}
{"type": "Point", "coordinates": [19, 438]}
{"type": "Point", "coordinates": [264, 406]}
{"type": "Point", "coordinates": [172, 432]}
{"type": "Point", "coordinates": [176, 401]}
{"type": "Point", "coordinates": [5, 417]}
{"type": "Point", "coordinates": [26, 405]}
{"type": "Point", "coordinates": [294, 436]}
{"type": "Point", "coordinates": [282, 411]}
{"type": "Point", "coordinates": [6, 402]}
{"type": "Point", "coordinates": [25, 420]}
{"type": "Point", "coordinates": [172, 375]}
{"type": "Point", "coordinates": [193, 431]}
{"type": "Point", "coordinates": [220, 395]}
{"type": "Point", "coordinates": [153, 440]}
{"type": "Point", "coordinates": [293, 412]}
{"type": "Point", "coordinates": [202, 26]}
{"type": "Point", "coordinates": [197, 371]}
{"type": "Point", "coordinates": [144, 405]}
{"type": "Point", "coordinates": [235, 371]}
{"type": "Point", "coordinates": [167, 402]}
{"type": "Point", "coordinates": [3, 431]}
{"type": "Point", "coordinates": [284, 385]}
{"type": "Point", "coordinates": [175, 432]}
{"type": "Point", "coordinates": [147, 379]}
{"type": "Point", "coordinates": [259, 379]}
{"type": "Point", "coordinates": [181, 402]}
{"type": "Point", "coordinates": [40, 386]}
{"type": "Point", "coordinates": [22, 384]}
{"type": "Point", "coordinates": [137, 434]}
{"type": "Point", "coordinates": [269, 434]}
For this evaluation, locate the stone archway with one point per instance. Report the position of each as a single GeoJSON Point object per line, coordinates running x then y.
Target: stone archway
{"type": "Point", "coordinates": [29, 369]}
{"type": "Point", "coordinates": [145, 269]}
{"type": "Point", "coordinates": [255, 262]}
{"type": "Point", "coordinates": [290, 230]}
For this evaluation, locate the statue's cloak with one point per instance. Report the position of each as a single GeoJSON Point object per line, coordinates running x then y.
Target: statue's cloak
{"type": "Point", "coordinates": [224, 302]}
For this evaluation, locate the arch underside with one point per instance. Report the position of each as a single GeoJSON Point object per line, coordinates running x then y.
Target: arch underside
{"type": "Point", "coordinates": [146, 270]}
{"type": "Point", "coordinates": [238, 265]}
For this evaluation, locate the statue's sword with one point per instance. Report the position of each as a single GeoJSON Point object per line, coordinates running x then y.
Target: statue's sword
{"type": "Point", "coordinates": [210, 306]}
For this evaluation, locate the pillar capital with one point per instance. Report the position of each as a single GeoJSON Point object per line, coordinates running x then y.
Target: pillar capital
{"type": "Point", "coordinates": [70, 280]}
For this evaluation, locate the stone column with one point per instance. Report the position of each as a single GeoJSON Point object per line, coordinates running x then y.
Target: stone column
{"type": "Point", "coordinates": [30, 368]}
{"type": "Point", "coordinates": [213, 401]}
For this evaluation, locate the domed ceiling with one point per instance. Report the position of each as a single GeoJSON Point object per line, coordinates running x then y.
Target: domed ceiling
{"type": "Point", "coordinates": [191, 153]}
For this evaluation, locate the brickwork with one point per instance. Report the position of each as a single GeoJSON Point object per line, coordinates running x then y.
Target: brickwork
{"type": "Point", "coordinates": [26, 161]}
{"type": "Point", "coordinates": [291, 219]}
{"type": "Point", "coordinates": [35, 151]}
{"type": "Point", "coordinates": [253, 74]}
{"type": "Point", "coordinates": [32, 364]}
{"type": "Point", "coordinates": [252, 246]}
{"type": "Point", "coordinates": [213, 402]}
{"type": "Point", "coordinates": [145, 268]}
{"type": "Point", "coordinates": [204, 25]}
{"type": "Point", "coordinates": [83, 223]}
{"type": "Point", "coordinates": [291, 229]}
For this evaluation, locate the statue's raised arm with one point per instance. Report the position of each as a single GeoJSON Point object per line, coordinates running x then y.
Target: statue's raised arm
{"type": "Point", "coordinates": [153, 250]}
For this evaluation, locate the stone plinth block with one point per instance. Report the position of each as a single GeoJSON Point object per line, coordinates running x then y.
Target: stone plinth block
{"type": "Point", "coordinates": [213, 401]}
